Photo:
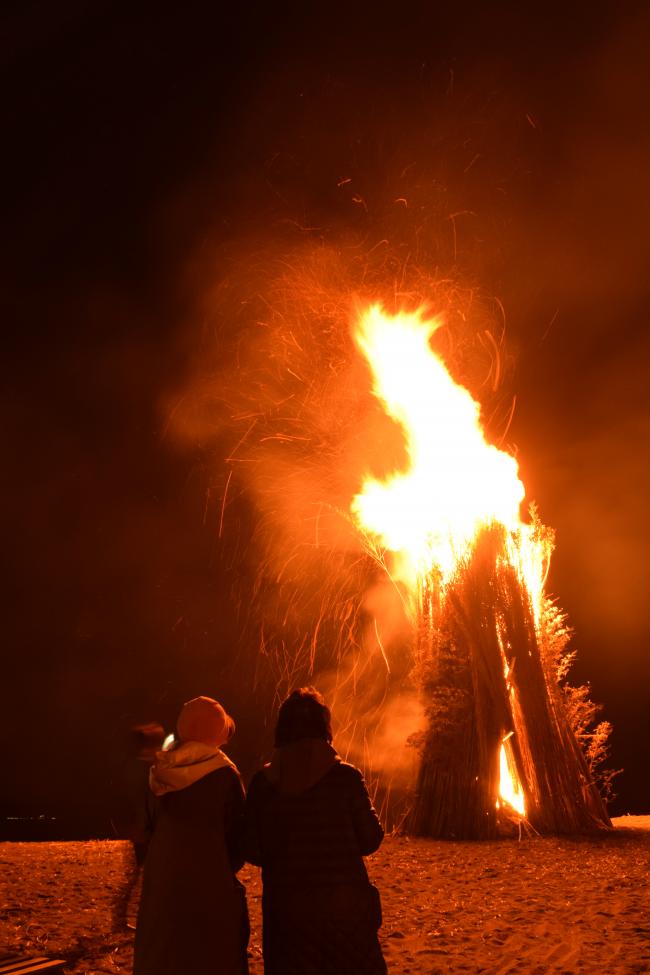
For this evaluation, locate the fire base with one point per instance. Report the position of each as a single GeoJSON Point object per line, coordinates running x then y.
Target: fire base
{"type": "Point", "coordinates": [487, 684]}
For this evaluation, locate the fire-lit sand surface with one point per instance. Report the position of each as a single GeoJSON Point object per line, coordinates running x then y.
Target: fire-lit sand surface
{"type": "Point", "coordinates": [535, 906]}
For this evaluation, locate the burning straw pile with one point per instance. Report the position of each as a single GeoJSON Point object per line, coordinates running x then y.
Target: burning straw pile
{"type": "Point", "coordinates": [417, 603]}
{"type": "Point", "coordinates": [498, 737]}
{"type": "Point", "coordinates": [498, 742]}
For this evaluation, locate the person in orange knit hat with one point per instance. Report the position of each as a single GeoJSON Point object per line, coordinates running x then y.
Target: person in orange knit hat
{"type": "Point", "coordinates": [193, 915]}
{"type": "Point", "coordinates": [204, 719]}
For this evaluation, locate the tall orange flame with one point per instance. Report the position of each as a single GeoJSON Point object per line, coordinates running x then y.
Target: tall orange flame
{"type": "Point", "coordinates": [429, 516]}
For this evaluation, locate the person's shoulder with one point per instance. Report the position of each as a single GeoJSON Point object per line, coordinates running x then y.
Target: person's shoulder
{"type": "Point", "coordinates": [226, 776]}
{"type": "Point", "coordinates": [347, 773]}
{"type": "Point", "coordinates": [260, 780]}
{"type": "Point", "coordinates": [262, 773]}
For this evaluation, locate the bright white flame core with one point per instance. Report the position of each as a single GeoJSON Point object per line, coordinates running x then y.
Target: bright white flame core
{"type": "Point", "coordinates": [457, 481]}
{"type": "Point", "coordinates": [509, 790]}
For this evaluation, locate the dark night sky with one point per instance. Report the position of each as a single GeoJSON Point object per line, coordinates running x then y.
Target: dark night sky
{"type": "Point", "coordinates": [141, 146]}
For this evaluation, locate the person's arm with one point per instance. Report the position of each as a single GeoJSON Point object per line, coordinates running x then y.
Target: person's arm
{"type": "Point", "coordinates": [367, 828]}
{"type": "Point", "coordinates": [234, 821]}
{"type": "Point", "coordinates": [144, 822]}
{"type": "Point", "coordinates": [252, 833]}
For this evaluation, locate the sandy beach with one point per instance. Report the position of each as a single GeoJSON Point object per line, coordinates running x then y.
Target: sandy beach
{"type": "Point", "coordinates": [579, 905]}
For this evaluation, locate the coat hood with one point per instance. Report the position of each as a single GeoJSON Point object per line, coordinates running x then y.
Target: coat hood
{"type": "Point", "coordinates": [297, 767]}
{"type": "Point", "coordinates": [184, 766]}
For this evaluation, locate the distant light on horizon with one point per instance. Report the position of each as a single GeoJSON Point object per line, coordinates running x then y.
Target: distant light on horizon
{"type": "Point", "coordinates": [27, 819]}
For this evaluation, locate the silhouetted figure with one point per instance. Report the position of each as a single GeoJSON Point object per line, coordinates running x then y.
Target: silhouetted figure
{"type": "Point", "coordinates": [309, 823]}
{"type": "Point", "coordinates": [145, 740]}
{"type": "Point", "coordinates": [192, 916]}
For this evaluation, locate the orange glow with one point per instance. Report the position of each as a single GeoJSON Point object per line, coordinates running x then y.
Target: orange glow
{"type": "Point", "coordinates": [429, 515]}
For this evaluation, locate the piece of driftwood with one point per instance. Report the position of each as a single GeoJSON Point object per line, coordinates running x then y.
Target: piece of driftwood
{"type": "Point", "coordinates": [29, 964]}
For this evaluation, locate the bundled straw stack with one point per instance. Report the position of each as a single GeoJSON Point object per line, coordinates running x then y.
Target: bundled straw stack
{"type": "Point", "coordinates": [482, 666]}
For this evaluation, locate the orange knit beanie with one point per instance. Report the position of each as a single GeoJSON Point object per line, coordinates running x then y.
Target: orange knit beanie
{"type": "Point", "coordinates": [203, 719]}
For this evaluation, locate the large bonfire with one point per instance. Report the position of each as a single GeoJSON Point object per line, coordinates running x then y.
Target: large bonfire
{"type": "Point", "coordinates": [386, 555]}
{"type": "Point", "coordinates": [472, 573]}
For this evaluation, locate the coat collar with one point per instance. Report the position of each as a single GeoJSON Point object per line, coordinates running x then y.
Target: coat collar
{"type": "Point", "coordinates": [185, 765]}
{"type": "Point", "coordinates": [297, 767]}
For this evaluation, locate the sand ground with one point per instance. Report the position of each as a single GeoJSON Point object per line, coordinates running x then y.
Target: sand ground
{"type": "Point", "coordinates": [530, 907]}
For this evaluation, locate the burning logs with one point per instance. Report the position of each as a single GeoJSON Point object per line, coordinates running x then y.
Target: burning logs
{"type": "Point", "coordinates": [439, 512]}
{"type": "Point", "coordinates": [498, 740]}
{"type": "Point", "coordinates": [487, 692]}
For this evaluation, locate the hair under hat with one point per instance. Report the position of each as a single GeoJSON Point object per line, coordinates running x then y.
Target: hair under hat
{"type": "Point", "coordinates": [203, 719]}
{"type": "Point", "coordinates": [303, 714]}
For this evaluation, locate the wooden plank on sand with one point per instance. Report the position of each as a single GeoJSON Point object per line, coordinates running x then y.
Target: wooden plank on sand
{"type": "Point", "coordinates": [30, 965]}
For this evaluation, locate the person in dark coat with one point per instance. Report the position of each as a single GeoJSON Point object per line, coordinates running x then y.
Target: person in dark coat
{"type": "Point", "coordinates": [192, 916]}
{"type": "Point", "coordinates": [144, 741]}
{"type": "Point", "coordinates": [309, 823]}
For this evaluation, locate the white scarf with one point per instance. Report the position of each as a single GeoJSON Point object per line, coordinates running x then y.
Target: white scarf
{"type": "Point", "coordinates": [185, 765]}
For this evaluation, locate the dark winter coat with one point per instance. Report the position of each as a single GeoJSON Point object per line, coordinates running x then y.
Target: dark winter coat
{"type": "Point", "coordinates": [192, 916]}
{"type": "Point", "coordinates": [309, 823]}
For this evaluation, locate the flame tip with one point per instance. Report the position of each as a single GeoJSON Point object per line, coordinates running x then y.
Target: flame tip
{"type": "Point", "coordinates": [458, 483]}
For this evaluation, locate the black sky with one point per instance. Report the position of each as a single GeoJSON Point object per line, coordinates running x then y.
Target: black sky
{"type": "Point", "coordinates": [141, 147]}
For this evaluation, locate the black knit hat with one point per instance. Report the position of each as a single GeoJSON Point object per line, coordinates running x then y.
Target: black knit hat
{"type": "Point", "coordinates": [304, 714]}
